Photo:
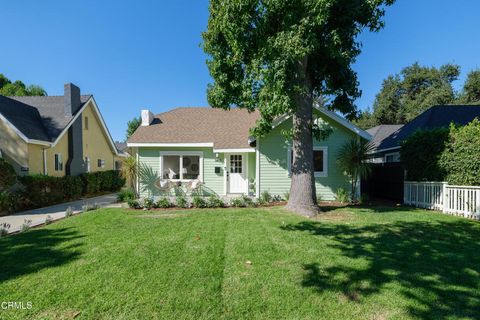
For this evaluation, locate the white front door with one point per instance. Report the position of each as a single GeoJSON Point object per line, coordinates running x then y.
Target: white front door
{"type": "Point", "coordinates": [237, 175]}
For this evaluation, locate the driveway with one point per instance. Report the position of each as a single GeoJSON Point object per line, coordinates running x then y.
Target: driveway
{"type": "Point", "coordinates": [38, 216]}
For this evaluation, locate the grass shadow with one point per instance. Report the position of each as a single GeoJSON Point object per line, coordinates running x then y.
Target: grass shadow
{"type": "Point", "coordinates": [35, 250]}
{"type": "Point", "coordinates": [436, 264]}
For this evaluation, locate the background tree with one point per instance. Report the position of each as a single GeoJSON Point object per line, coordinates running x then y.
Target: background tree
{"type": "Point", "coordinates": [471, 89]}
{"type": "Point", "coordinates": [365, 119]}
{"type": "Point", "coordinates": [404, 96]}
{"type": "Point", "coordinates": [352, 158]}
{"type": "Point", "coordinates": [387, 107]}
{"type": "Point", "coordinates": [133, 125]}
{"type": "Point", "coordinates": [18, 88]}
{"type": "Point", "coordinates": [278, 56]}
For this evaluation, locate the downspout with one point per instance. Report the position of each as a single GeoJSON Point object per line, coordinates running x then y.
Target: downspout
{"type": "Point", "coordinates": [137, 178]}
{"type": "Point", "coordinates": [257, 169]}
{"type": "Point", "coordinates": [45, 171]}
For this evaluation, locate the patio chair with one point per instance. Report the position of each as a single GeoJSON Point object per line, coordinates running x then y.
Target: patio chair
{"type": "Point", "coordinates": [163, 185]}
{"type": "Point", "coordinates": [171, 174]}
{"type": "Point", "coordinates": [194, 186]}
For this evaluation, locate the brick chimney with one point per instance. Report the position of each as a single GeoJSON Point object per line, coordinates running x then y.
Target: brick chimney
{"type": "Point", "coordinates": [72, 99]}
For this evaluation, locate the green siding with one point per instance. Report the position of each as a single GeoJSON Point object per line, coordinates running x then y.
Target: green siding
{"type": "Point", "coordinates": [273, 162]}
{"type": "Point", "coordinates": [213, 182]}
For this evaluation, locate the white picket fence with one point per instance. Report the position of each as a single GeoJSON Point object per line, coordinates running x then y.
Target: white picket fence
{"type": "Point", "coordinates": [457, 200]}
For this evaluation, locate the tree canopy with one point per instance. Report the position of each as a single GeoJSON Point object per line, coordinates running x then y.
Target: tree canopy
{"type": "Point", "coordinates": [18, 88]}
{"type": "Point", "coordinates": [404, 96]}
{"type": "Point", "coordinates": [471, 89]}
{"type": "Point", "coordinates": [133, 125]}
{"type": "Point", "coordinates": [280, 57]}
{"type": "Point", "coordinates": [257, 47]}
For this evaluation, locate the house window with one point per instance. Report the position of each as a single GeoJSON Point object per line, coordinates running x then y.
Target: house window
{"type": "Point", "coordinates": [181, 166]}
{"type": "Point", "coordinates": [320, 161]}
{"type": "Point", "coordinates": [392, 157]}
{"type": "Point", "coordinates": [87, 162]}
{"type": "Point", "coordinates": [101, 163]}
{"type": "Point", "coordinates": [86, 123]}
{"type": "Point", "coordinates": [58, 162]}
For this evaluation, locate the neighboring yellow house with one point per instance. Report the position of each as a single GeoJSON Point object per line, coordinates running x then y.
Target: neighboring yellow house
{"type": "Point", "coordinates": [56, 135]}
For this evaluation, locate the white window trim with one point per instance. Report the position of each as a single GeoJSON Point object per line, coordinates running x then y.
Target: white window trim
{"type": "Point", "coordinates": [88, 164]}
{"type": "Point", "coordinates": [102, 163]}
{"type": "Point", "coordinates": [317, 174]}
{"type": "Point", "coordinates": [181, 154]}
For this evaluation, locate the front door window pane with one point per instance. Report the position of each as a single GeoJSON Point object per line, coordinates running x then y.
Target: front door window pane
{"type": "Point", "coordinates": [236, 163]}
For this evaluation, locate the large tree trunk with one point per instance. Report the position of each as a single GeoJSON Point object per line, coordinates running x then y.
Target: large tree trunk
{"type": "Point", "coordinates": [303, 197]}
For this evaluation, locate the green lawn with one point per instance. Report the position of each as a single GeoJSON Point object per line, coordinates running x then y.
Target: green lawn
{"type": "Point", "coordinates": [351, 263]}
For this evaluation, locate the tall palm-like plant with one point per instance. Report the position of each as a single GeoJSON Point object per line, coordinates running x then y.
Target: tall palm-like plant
{"type": "Point", "coordinates": [129, 171]}
{"type": "Point", "coordinates": [353, 158]}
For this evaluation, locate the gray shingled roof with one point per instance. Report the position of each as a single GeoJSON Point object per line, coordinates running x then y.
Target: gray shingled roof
{"type": "Point", "coordinates": [379, 133]}
{"type": "Point", "coordinates": [121, 146]}
{"type": "Point", "coordinates": [37, 117]}
{"type": "Point", "coordinates": [435, 117]}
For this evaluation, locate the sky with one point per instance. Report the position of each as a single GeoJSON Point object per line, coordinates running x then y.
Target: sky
{"type": "Point", "coordinates": [134, 55]}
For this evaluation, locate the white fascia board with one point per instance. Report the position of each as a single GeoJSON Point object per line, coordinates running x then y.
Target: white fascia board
{"type": "Point", "coordinates": [104, 125]}
{"type": "Point", "coordinates": [102, 122]}
{"type": "Point", "coordinates": [386, 149]}
{"type": "Point", "coordinates": [335, 117]}
{"type": "Point", "coordinates": [123, 154]}
{"type": "Point", "coordinates": [154, 144]}
{"type": "Point", "coordinates": [344, 122]}
{"type": "Point", "coordinates": [40, 142]}
{"type": "Point", "coordinates": [21, 135]}
{"type": "Point", "coordinates": [238, 150]}
{"type": "Point", "coordinates": [70, 124]}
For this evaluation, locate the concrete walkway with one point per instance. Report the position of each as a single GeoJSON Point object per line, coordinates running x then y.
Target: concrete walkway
{"type": "Point", "coordinates": [38, 216]}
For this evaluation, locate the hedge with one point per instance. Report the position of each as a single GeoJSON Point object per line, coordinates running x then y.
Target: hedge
{"type": "Point", "coordinates": [421, 153]}
{"type": "Point", "coordinates": [40, 190]}
{"type": "Point", "coordinates": [447, 154]}
{"type": "Point", "coordinates": [461, 158]}
{"type": "Point", "coordinates": [7, 175]}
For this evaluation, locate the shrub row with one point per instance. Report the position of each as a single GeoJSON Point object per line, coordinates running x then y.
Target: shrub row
{"type": "Point", "coordinates": [447, 154]}
{"type": "Point", "coordinates": [40, 190]}
{"type": "Point", "coordinates": [199, 202]}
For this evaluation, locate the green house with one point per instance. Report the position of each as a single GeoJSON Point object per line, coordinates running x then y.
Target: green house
{"type": "Point", "coordinates": [213, 147]}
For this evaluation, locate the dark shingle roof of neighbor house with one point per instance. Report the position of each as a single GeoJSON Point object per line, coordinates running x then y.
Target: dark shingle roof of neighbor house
{"type": "Point", "coordinates": [435, 117]}
{"type": "Point", "coordinates": [225, 129]}
{"type": "Point", "coordinates": [381, 132]}
{"type": "Point", "coordinates": [37, 117]}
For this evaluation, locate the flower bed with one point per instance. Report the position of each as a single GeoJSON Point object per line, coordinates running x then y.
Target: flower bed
{"type": "Point", "coordinates": [196, 201]}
